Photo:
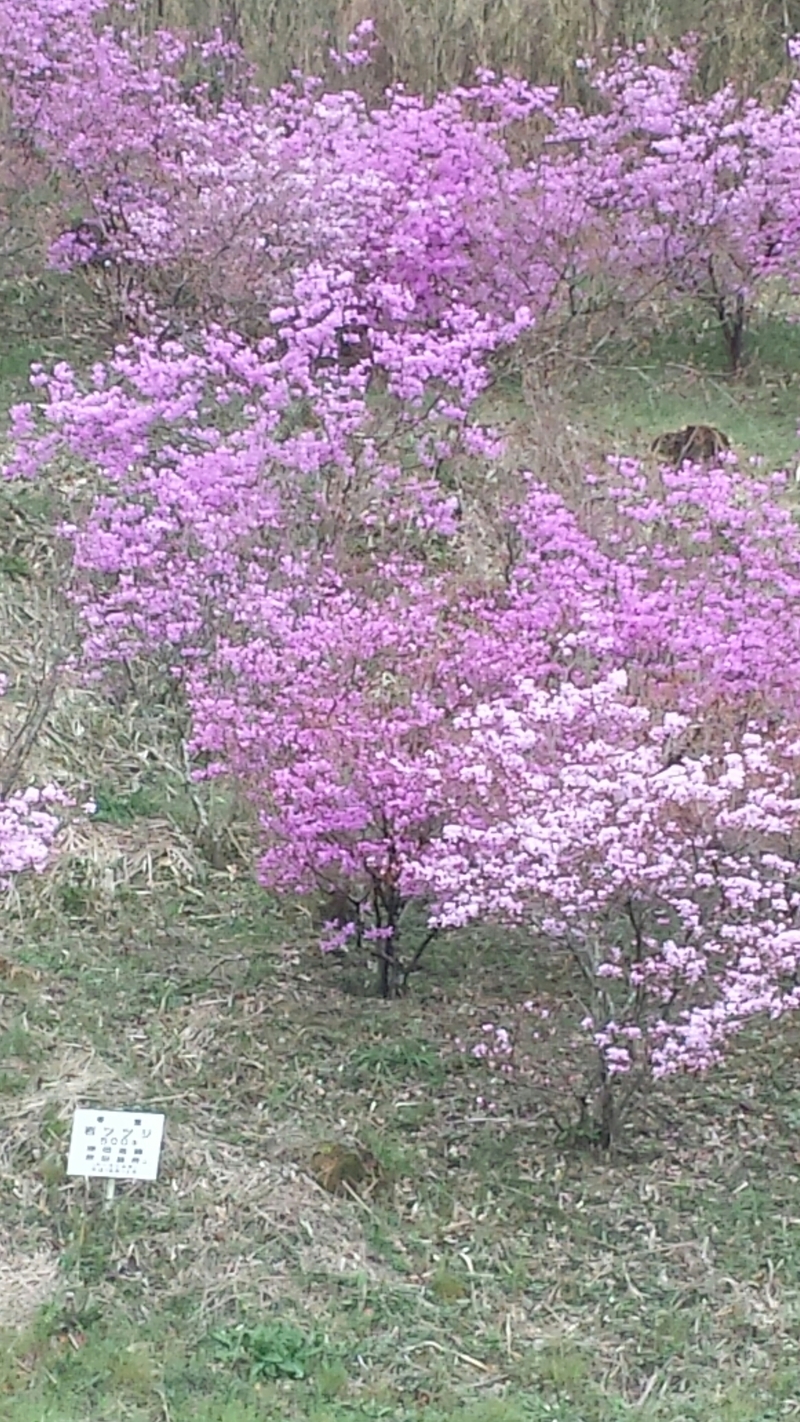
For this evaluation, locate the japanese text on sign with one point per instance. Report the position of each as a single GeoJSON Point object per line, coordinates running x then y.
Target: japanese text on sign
{"type": "Point", "coordinates": [116, 1145]}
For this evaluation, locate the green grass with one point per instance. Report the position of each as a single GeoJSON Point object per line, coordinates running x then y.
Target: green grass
{"type": "Point", "coordinates": [550, 1282]}
{"type": "Point", "coordinates": [675, 376]}
{"type": "Point", "coordinates": [500, 1273]}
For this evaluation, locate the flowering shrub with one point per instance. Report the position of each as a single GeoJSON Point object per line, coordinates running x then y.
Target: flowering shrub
{"type": "Point", "coordinates": [591, 731]}
{"type": "Point", "coordinates": [200, 203]}
{"type": "Point", "coordinates": [684, 196]}
{"type": "Point", "coordinates": [254, 211]}
{"type": "Point", "coordinates": [28, 829]}
{"type": "Point", "coordinates": [671, 882]}
{"type": "Point", "coordinates": [30, 821]}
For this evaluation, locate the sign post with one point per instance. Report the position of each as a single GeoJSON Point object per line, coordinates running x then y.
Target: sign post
{"type": "Point", "coordinates": [115, 1145]}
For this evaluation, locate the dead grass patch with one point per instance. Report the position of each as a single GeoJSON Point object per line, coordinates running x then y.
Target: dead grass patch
{"type": "Point", "coordinates": [252, 1229]}
{"type": "Point", "coordinates": [222, 1228]}
{"type": "Point", "coordinates": [27, 1282]}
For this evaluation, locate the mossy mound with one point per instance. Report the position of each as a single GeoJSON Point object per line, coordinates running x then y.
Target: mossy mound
{"type": "Point", "coordinates": [695, 443]}
{"type": "Point", "coordinates": [340, 1169]}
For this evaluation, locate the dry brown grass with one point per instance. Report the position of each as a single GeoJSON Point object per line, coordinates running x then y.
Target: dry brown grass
{"type": "Point", "coordinates": [250, 1219]}
{"type": "Point", "coordinates": [27, 1281]}
{"type": "Point", "coordinates": [435, 44]}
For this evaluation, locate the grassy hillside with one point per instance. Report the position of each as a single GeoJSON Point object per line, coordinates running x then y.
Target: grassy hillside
{"type": "Point", "coordinates": [339, 1230]}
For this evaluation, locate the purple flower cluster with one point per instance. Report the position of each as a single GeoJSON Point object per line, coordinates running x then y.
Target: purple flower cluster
{"type": "Point", "coordinates": [593, 731]}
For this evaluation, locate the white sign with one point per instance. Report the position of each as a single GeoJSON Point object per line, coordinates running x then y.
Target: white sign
{"type": "Point", "coordinates": [116, 1145]}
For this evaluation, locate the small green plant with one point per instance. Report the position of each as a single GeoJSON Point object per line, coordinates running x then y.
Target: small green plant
{"type": "Point", "coordinates": [395, 1062]}
{"type": "Point", "coordinates": [14, 566]}
{"type": "Point", "coordinates": [448, 1286]}
{"type": "Point", "coordinates": [115, 809]}
{"type": "Point", "coordinates": [267, 1351]}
